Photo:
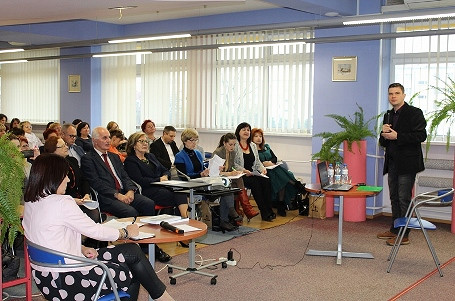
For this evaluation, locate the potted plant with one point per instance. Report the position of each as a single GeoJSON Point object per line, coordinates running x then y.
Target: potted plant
{"type": "Point", "coordinates": [353, 130]}
{"type": "Point", "coordinates": [11, 188]}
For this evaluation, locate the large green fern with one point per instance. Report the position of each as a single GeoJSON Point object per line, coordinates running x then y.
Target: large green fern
{"type": "Point", "coordinates": [354, 130]}
{"type": "Point", "coordinates": [445, 112]}
{"type": "Point", "coordinates": [11, 185]}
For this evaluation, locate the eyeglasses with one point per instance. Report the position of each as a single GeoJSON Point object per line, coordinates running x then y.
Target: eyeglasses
{"type": "Point", "coordinates": [193, 140]}
{"type": "Point", "coordinates": [72, 136]}
{"type": "Point", "coordinates": [142, 141]}
{"type": "Point", "coordinates": [61, 146]}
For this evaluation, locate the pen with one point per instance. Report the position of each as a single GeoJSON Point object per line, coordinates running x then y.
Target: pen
{"type": "Point", "coordinates": [134, 219]}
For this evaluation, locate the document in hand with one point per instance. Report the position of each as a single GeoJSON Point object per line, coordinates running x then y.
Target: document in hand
{"type": "Point", "coordinates": [274, 166]}
{"type": "Point", "coordinates": [257, 173]}
{"type": "Point", "coordinates": [214, 166]}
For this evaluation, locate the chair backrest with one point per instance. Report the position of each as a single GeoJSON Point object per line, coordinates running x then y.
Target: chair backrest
{"type": "Point", "coordinates": [45, 257]}
{"type": "Point", "coordinates": [436, 198]}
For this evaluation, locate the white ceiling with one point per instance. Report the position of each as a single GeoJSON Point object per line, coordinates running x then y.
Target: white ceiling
{"type": "Point", "coordinates": [14, 12]}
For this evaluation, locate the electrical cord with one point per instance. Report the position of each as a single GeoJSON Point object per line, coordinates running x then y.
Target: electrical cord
{"type": "Point", "coordinates": [271, 266]}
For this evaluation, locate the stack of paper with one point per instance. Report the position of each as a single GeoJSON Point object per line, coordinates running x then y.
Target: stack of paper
{"type": "Point", "coordinates": [113, 223]}
{"type": "Point", "coordinates": [156, 220]}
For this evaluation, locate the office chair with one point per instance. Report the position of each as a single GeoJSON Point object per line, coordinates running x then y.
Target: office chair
{"type": "Point", "coordinates": [436, 198]}
{"type": "Point", "coordinates": [46, 257]}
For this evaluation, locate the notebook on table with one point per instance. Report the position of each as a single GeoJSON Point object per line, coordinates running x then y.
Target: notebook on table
{"type": "Point", "coordinates": [324, 177]}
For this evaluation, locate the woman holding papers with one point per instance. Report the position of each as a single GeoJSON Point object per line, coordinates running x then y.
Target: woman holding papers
{"type": "Point", "coordinates": [247, 160]}
{"type": "Point", "coordinates": [144, 168]}
{"type": "Point", "coordinates": [190, 162]}
{"type": "Point", "coordinates": [284, 185]}
{"type": "Point", "coordinates": [53, 220]}
{"type": "Point", "coordinates": [226, 151]}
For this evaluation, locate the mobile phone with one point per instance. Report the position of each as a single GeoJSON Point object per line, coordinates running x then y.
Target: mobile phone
{"type": "Point", "coordinates": [28, 153]}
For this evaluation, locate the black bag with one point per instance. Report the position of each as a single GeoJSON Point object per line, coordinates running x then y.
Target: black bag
{"type": "Point", "coordinates": [303, 204]}
{"type": "Point", "coordinates": [10, 265]}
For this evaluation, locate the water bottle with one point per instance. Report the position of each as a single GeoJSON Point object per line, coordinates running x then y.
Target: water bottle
{"type": "Point", "coordinates": [338, 173]}
{"type": "Point", "coordinates": [331, 173]}
{"type": "Point", "coordinates": [344, 174]}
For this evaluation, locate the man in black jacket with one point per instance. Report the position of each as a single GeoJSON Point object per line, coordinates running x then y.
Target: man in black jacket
{"type": "Point", "coordinates": [165, 148]}
{"type": "Point", "coordinates": [403, 131]}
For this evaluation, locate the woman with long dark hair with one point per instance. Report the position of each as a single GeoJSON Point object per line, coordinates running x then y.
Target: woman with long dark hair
{"type": "Point", "coordinates": [247, 160]}
{"type": "Point", "coordinates": [53, 220]}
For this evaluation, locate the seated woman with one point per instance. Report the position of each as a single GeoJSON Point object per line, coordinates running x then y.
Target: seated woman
{"type": "Point", "coordinates": [225, 150]}
{"type": "Point", "coordinates": [15, 123]}
{"type": "Point", "coordinates": [2, 129]}
{"type": "Point", "coordinates": [53, 220]}
{"type": "Point", "coordinates": [83, 136]}
{"type": "Point", "coordinates": [116, 139]}
{"type": "Point", "coordinates": [144, 168]}
{"type": "Point", "coordinates": [33, 141]}
{"type": "Point", "coordinates": [247, 160]}
{"type": "Point", "coordinates": [190, 162]}
{"type": "Point", "coordinates": [148, 127]}
{"type": "Point", "coordinates": [284, 185]}
{"type": "Point", "coordinates": [27, 165]}
{"type": "Point", "coordinates": [112, 125]}
{"type": "Point", "coordinates": [78, 187]}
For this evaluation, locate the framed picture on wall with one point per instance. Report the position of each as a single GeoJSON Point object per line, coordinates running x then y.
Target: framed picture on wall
{"type": "Point", "coordinates": [344, 69]}
{"type": "Point", "coordinates": [74, 83]}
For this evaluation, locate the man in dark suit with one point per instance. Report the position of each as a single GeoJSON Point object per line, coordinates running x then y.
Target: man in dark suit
{"type": "Point", "coordinates": [403, 131]}
{"type": "Point", "coordinates": [116, 192]}
{"type": "Point", "coordinates": [165, 148]}
{"type": "Point", "coordinates": [69, 136]}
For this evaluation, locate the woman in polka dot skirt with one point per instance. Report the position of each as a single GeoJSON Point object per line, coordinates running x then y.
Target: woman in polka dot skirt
{"type": "Point", "coordinates": [54, 220]}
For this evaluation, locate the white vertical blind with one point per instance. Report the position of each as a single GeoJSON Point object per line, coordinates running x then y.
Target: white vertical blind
{"type": "Point", "coordinates": [118, 89]}
{"type": "Point", "coordinates": [267, 86]}
{"type": "Point", "coordinates": [30, 91]}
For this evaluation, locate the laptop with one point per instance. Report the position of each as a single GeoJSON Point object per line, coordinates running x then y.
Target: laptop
{"type": "Point", "coordinates": [324, 177]}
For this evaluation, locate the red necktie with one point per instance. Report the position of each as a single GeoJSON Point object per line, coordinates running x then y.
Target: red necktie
{"type": "Point", "coordinates": [117, 184]}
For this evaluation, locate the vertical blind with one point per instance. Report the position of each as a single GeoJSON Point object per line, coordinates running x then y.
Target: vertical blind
{"type": "Point", "coordinates": [30, 90]}
{"type": "Point", "coordinates": [268, 86]}
{"type": "Point", "coordinates": [422, 62]}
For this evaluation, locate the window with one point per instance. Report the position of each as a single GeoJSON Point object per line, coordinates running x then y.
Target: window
{"type": "Point", "coordinates": [421, 62]}
{"type": "Point", "coordinates": [268, 86]}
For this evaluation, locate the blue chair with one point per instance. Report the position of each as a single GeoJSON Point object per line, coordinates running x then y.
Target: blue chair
{"type": "Point", "coordinates": [436, 198]}
{"type": "Point", "coordinates": [46, 257]}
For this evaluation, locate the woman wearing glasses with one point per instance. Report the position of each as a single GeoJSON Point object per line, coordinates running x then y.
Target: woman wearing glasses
{"type": "Point", "coordinates": [144, 168]}
{"type": "Point", "coordinates": [190, 162]}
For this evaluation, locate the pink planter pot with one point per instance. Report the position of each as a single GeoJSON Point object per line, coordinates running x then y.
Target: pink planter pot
{"type": "Point", "coordinates": [453, 207]}
{"type": "Point", "coordinates": [356, 159]}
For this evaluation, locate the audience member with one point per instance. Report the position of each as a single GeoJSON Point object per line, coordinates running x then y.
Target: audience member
{"type": "Point", "coordinates": [112, 125]}
{"type": "Point", "coordinates": [15, 123]}
{"type": "Point", "coordinates": [24, 146]}
{"type": "Point", "coordinates": [59, 227]}
{"type": "Point", "coordinates": [2, 129]}
{"type": "Point", "coordinates": [284, 185]}
{"type": "Point", "coordinates": [49, 133]}
{"type": "Point", "coordinates": [57, 127]}
{"type": "Point", "coordinates": [148, 127]}
{"type": "Point", "coordinates": [76, 122]}
{"type": "Point", "coordinates": [116, 138]}
{"type": "Point", "coordinates": [83, 136]}
{"type": "Point", "coordinates": [33, 141]}
{"type": "Point", "coordinates": [247, 160]}
{"type": "Point", "coordinates": [18, 131]}
{"type": "Point", "coordinates": [190, 162]}
{"type": "Point", "coordinates": [27, 165]}
{"type": "Point", "coordinates": [165, 148]}
{"type": "Point", "coordinates": [69, 136]}
{"type": "Point", "coordinates": [116, 192]}
{"type": "Point", "coordinates": [144, 168]}
{"type": "Point", "coordinates": [4, 120]}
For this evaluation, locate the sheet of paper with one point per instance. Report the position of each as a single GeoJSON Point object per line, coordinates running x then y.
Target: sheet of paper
{"type": "Point", "coordinates": [274, 166]}
{"type": "Point", "coordinates": [143, 235]}
{"type": "Point", "coordinates": [214, 166]}
{"type": "Point", "coordinates": [236, 177]}
{"type": "Point", "coordinates": [186, 227]}
{"type": "Point", "coordinates": [156, 220]}
{"type": "Point", "coordinates": [257, 173]}
{"type": "Point", "coordinates": [113, 223]}
{"type": "Point", "coordinates": [90, 204]}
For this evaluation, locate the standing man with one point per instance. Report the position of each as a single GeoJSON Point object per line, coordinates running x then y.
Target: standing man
{"type": "Point", "coordinates": [69, 136]}
{"type": "Point", "coordinates": [403, 131]}
{"type": "Point", "coordinates": [165, 148]}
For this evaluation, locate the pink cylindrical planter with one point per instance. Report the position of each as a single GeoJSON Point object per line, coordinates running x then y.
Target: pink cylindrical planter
{"type": "Point", "coordinates": [356, 159]}
{"type": "Point", "coordinates": [328, 200]}
{"type": "Point", "coordinates": [453, 207]}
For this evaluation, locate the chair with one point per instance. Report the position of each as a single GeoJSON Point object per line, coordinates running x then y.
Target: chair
{"type": "Point", "coordinates": [46, 257]}
{"type": "Point", "coordinates": [436, 198]}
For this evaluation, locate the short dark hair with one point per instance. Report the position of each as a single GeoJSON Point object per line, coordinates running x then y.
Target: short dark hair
{"type": "Point", "coordinates": [80, 126]}
{"type": "Point", "coordinates": [116, 133]}
{"type": "Point", "coordinates": [46, 175]}
{"type": "Point", "coordinates": [76, 121]}
{"type": "Point", "coordinates": [144, 124]}
{"type": "Point", "coordinates": [17, 131]}
{"type": "Point", "coordinates": [3, 116]}
{"type": "Point", "coordinates": [397, 85]}
{"type": "Point", "coordinates": [169, 128]}
{"type": "Point", "coordinates": [241, 126]}
{"type": "Point", "coordinates": [47, 132]}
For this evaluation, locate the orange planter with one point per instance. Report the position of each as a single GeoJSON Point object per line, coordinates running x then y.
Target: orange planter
{"type": "Point", "coordinates": [356, 159]}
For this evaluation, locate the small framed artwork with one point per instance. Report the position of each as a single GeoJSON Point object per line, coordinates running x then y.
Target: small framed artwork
{"type": "Point", "coordinates": [74, 83]}
{"type": "Point", "coordinates": [344, 69]}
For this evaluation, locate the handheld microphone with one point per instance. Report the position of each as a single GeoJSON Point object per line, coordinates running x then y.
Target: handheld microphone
{"type": "Point", "coordinates": [167, 226]}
